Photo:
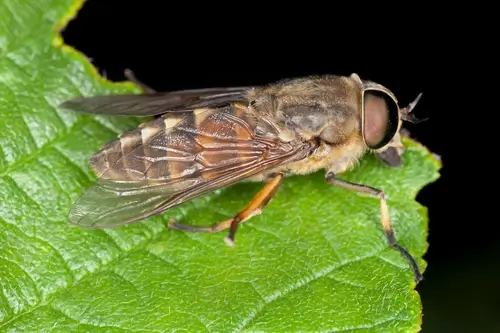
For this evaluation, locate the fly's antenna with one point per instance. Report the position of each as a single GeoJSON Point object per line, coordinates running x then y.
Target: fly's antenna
{"type": "Point", "coordinates": [406, 114]}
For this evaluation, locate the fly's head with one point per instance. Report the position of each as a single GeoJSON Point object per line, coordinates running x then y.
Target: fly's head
{"type": "Point", "coordinates": [382, 117]}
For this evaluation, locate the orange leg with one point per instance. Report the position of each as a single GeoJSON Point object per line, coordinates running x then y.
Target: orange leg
{"type": "Point", "coordinates": [255, 207]}
{"type": "Point", "coordinates": [384, 210]}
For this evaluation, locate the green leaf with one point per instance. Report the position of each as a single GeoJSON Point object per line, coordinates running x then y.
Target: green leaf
{"type": "Point", "coordinates": [316, 260]}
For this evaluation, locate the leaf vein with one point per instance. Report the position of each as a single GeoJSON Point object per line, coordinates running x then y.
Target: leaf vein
{"type": "Point", "coordinates": [42, 150]}
{"type": "Point", "coordinates": [330, 243]}
{"type": "Point", "coordinates": [51, 174]}
{"type": "Point", "coordinates": [173, 264]}
{"type": "Point", "coordinates": [89, 275]}
{"type": "Point", "coordinates": [46, 243]}
{"type": "Point", "coordinates": [60, 311]}
{"type": "Point", "coordinates": [349, 283]}
{"type": "Point", "coordinates": [392, 262]}
{"type": "Point", "coordinates": [78, 168]}
{"type": "Point", "coordinates": [303, 282]}
{"type": "Point", "coordinates": [25, 124]}
{"type": "Point", "coordinates": [37, 291]}
{"type": "Point", "coordinates": [372, 325]}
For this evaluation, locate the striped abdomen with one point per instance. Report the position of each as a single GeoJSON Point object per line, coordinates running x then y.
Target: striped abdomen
{"type": "Point", "coordinates": [198, 143]}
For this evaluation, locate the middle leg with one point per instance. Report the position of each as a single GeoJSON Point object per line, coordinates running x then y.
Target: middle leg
{"type": "Point", "coordinates": [255, 207]}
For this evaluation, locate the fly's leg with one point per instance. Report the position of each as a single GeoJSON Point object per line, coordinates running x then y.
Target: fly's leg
{"type": "Point", "coordinates": [384, 211]}
{"type": "Point", "coordinates": [255, 207]}
{"type": "Point", "coordinates": [131, 77]}
{"type": "Point", "coordinates": [389, 157]}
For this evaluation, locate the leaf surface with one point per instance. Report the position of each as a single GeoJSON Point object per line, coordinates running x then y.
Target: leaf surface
{"type": "Point", "coordinates": [316, 260]}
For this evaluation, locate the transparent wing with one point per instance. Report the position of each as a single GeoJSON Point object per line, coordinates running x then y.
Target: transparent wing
{"type": "Point", "coordinates": [169, 161]}
{"type": "Point", "coordinates": [110, 203]}
{"type": "Point", "coordinates": [156, 103]}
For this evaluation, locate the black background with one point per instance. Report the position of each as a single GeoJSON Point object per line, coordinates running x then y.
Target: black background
{"type": "Point", "coordinates": [172, 48]}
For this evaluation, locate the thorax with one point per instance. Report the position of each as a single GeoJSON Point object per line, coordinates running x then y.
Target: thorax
{"type": "Point", "coordinates": [337, 159]}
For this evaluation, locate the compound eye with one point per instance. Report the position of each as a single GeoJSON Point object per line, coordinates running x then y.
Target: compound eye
{"type": "Point", "coordinates": [381, 118]}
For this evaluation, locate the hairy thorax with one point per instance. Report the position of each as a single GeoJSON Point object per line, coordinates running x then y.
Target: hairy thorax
{"type": "Point", "coordinates": [334, 158]}
{"type": "Point", "coordinates": [331, 158]}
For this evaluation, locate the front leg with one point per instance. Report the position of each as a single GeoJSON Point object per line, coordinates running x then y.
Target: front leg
{"type": "Point", "coordinates": [390, 157]}
{"type": "Point", "coordinates": [384, 211]}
